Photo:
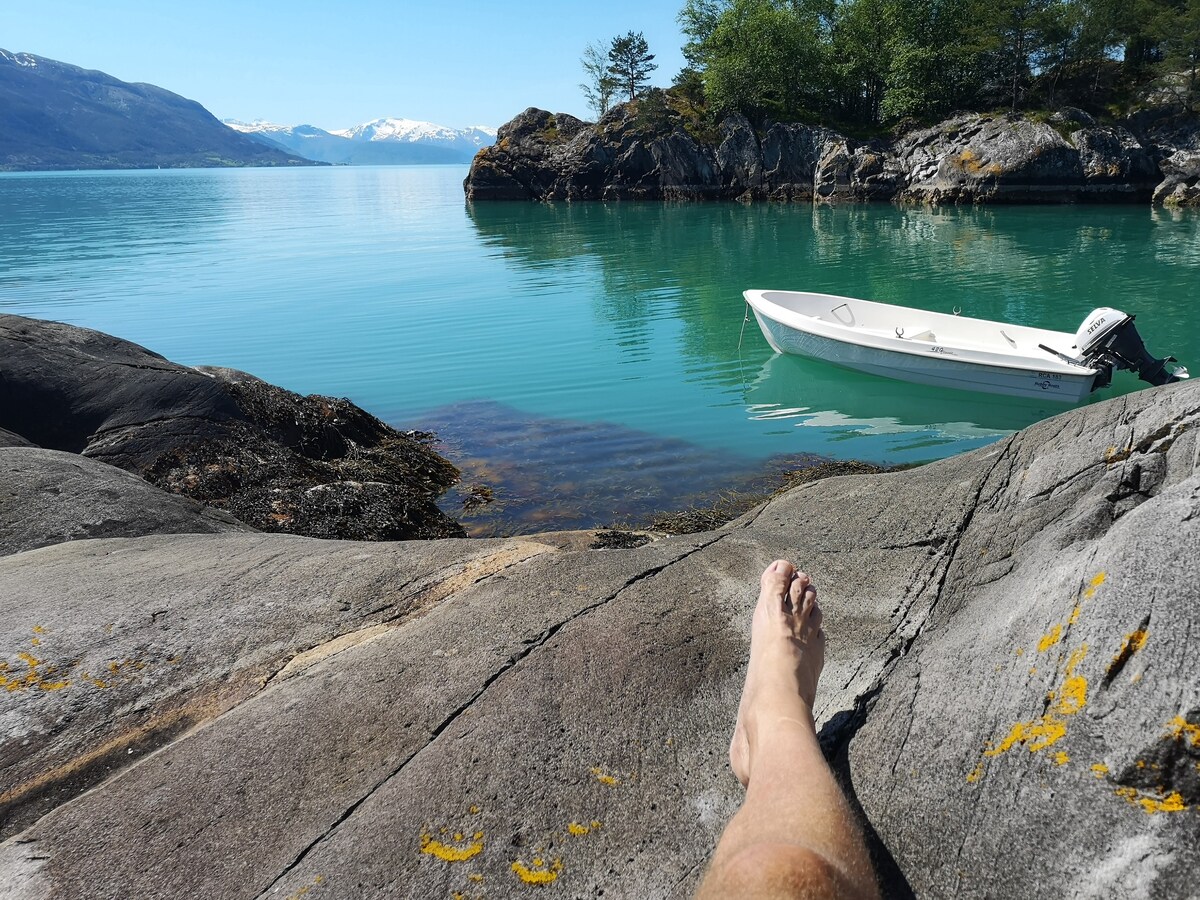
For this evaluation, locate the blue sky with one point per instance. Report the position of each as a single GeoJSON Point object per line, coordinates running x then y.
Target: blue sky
{"type": "Point", "coordinates": [335, 65]}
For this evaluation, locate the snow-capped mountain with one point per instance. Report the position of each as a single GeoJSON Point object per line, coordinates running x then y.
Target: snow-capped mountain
{"type": "Point", "coordinates": [380, 142]}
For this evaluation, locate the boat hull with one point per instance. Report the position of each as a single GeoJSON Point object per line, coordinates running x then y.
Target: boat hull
{"type": "Point", "coordinates": [1059, 387]}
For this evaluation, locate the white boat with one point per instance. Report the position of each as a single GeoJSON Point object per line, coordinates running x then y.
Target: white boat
{"type": "Point", "coordinates": [956, 351]}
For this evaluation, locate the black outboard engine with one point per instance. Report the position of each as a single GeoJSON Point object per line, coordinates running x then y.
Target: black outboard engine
{"type": "Point", "coordinates": [1107, 339]}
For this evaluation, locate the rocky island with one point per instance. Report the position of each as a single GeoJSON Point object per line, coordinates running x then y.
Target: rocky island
{"type": "Point", "coordinates": [650, 149]}
{"type": "Point", "coordinates": [191, 705]}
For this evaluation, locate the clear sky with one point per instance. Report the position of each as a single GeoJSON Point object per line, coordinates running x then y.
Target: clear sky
{"type": "Point", "coordinates": [338, 63]}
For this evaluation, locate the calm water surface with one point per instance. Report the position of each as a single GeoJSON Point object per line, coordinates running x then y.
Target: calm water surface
{"type": "Point", "coordinates": [582, 359]}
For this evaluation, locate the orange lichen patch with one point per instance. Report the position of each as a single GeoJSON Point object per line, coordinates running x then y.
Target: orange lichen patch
{"type": "Point", "coordinates": [473, 810]}
{"type": "Point", "coordinates": [1112, 455]}
{"type": "Point", "coordinates": [37, 674]}
{"type": "Point", "coordinates": [578, 830]}
{"type": "Point", "coordinates": [1037, 735]}
{"type": "Point", "coordinates": [1183, 730]}
{"type": "Point", "coordinates": [1099, 770]}
{"type": "Point", "coordinates": [975, 774]}
{"type": "Point", "coordinates": [1049, 729]}
{"type": "Point", "coordinates": [603, 777]}
{"type": "Point", "coordinates": [1050, 639]}
{"type": "Point", "coordinates": [969, 162]}
{"type": "Point", "coordinates": [456, 852]}
{"type": "Point", "coordinates": [1061, 758]}
{"type": "Point", "coordinates": [1074, 615]}
{"type": "Point", "coordinates": [1093, 584]}
{"type": "Point", "coordinates": [539, 872]}
{"type": "Point", "coordinates": [308, 887]}
{"type": "Point", "coordinates": [475, 876]}
{"type": "Point", "coordinates": [1172, 802]}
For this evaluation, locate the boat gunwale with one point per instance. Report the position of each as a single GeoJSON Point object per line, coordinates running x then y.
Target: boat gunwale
{"type": "Point", "coordinates": [875, 340]}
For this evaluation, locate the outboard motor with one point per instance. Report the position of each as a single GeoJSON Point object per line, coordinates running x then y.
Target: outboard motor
{"type": "Point", "coordinates": [1107, 339]}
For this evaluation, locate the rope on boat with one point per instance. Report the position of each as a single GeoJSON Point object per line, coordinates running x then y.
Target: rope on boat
{"type": "Point", "coordinates": [745, 319]}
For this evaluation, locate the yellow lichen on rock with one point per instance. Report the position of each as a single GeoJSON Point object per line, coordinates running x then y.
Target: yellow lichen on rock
{"type": "Point", "coordinates": [1047, 730]}
{"type": "Point", "coordinates": [1090, 591]}
{"type": "Point", "coordinates": [1050, 639]}
{"type": "Point", "coordinates": [1172, 802]}
{"type": "Point", "coordinates": [456, 852]}
{"type": "Point", "coordinates": [538, 872]}
{"type": "Point", "coordinates": [308, 887]}
{"type": "Point", "coordinates": [603, 777]}
{"type": "Point", "coordinates": [1183, 730]}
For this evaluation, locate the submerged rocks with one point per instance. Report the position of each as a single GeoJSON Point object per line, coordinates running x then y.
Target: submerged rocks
{"type": "Point", "coordinates": [647, 150]}
{"type": "Point", "coordinates": [273, 459]}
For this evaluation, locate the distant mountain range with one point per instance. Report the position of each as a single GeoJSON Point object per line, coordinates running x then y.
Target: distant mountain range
{"type": "Point", "coordinates": [58, 116]}
{"type": "Point", "coordinates": [380, 142]}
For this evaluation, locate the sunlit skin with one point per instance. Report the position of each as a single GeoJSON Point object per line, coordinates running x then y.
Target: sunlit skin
{"type": "Point", "coordinates": [795, 835]}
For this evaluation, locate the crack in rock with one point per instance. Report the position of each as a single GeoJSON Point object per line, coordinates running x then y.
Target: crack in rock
{"type": "Point", "coordinates": [515, 659]}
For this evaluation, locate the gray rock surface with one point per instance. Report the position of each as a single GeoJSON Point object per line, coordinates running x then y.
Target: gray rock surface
{"type": "Point", "coordinates": [10, 439]}
{"type": "Point", "coordinates": [1181, 180]}
{"type": "Point", "coordinates": [1011, 693]}
{"type": "Point", "coordinates": [650, 150]}
{"type": "Point", "coordinates": [317, 466]}
{"type": "Point", "coordinates": [49, 496]}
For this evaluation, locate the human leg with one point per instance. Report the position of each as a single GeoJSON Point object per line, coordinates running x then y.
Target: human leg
{"type": "Point", "coordinates": [795, 834]}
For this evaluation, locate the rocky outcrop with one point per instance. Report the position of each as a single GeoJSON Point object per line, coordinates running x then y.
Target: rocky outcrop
{"type": "Point", "coordinates": [1014, 159]}
{"type": "Point", "coordinates": [633, 153]}
{"type": "Point", "coordinates": [1181, 180]}
{"type": "Point", "coordinates": [48, 496]}
{"type": "Point", "coordinates": [1009, 695]}
{"type": "Point", "coordinates": [273, 459]}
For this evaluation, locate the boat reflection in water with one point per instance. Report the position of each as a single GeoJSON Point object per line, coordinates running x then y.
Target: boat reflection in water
{"type": "Point", "coordinates": [892, 421]}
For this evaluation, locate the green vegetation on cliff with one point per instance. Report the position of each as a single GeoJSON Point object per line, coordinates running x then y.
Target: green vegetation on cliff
{"type": "Point", "coordinates": [869, 63]}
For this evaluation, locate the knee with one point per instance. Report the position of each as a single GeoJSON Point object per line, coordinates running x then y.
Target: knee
{"type": "Point", "coordinates": [781, 870]}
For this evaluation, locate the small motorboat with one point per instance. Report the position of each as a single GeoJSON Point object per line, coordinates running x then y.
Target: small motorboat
{"type": "Point", "coordinates": [957, 351]}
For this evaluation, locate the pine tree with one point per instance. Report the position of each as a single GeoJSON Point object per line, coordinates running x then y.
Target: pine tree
{"type": "Point", "coordinates": [630, 62]}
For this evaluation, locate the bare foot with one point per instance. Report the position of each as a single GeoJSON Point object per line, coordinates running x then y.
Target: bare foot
{"type": "Point", "coordinates": [787, 652]}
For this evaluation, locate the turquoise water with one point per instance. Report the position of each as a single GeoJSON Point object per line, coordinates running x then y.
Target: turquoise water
{"type": "Point", "coordinates": [605, 336]}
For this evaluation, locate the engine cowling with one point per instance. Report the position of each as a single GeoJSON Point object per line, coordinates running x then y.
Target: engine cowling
{"type": "Point", "coordinates": [1108, 338]}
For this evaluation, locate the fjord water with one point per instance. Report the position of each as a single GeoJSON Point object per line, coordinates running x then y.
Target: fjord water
{"type": "Point", "coordinates": [582, 359]}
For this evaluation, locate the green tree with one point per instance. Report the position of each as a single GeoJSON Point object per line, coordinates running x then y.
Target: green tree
{"type": "Point", "coordinates": [1177, 27]}
{"type": "Point", "coordinates": [933, 66]}
{"type": "Point", "coordinates": [698, 20]}
{"type": "Point", "coordinates": [862, 57]}
{"type": "Point", "coordinates": [630, 62]}
{"type": "Point", "coordinates": [600, 86]}
{"type": "Point", "coordinates": [768, 58]}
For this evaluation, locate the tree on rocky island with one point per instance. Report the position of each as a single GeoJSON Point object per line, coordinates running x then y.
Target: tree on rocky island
{"type": "Point", "coordinates": [600, 86]}
{"type": "Point", "coordinates": [630, 62]}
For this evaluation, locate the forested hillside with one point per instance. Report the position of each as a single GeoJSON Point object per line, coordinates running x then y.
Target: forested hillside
{"type": "Point", "coordinates": [870, 63]}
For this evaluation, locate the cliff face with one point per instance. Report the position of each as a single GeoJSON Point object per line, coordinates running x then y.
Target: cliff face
{"type": "Point", "coordinates": [966, 159]}
{"type": "Point", "coordinates": [1010, 693]}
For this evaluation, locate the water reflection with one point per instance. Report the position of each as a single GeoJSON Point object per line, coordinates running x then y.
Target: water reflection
{"type": "Point", "coordinates": [899, 421]}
